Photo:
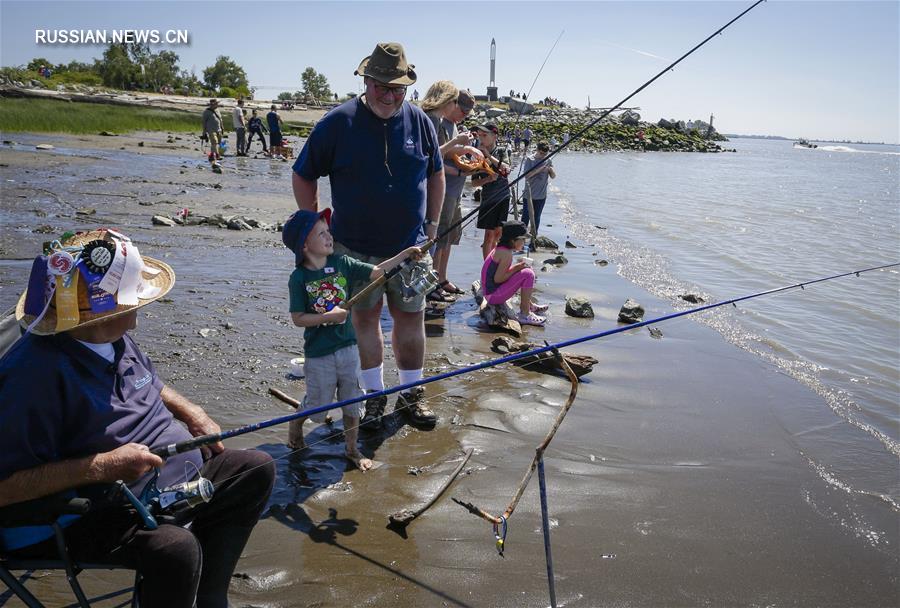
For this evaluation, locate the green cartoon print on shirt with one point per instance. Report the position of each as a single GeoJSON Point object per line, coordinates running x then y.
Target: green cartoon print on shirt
{"type": "Point", "coordinates": [327, 293]}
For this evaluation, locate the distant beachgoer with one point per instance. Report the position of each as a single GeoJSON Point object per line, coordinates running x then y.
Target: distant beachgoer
{"type": "Point", "coordinates": [537, 183]}
{"type": "Point", "coordinates": [447, 106]}
{"type": "Point", "coordinates": [501, 279]}
{"type": "Point", "coordinates": [240, 127]}
{"type": "Point", "coordinates": [320, 283]}
{"type": "Point", "coordinates": [275, 123]}
{"type": "Point", "coordinates": [517, 139]}
{"type": "Point", "coordinates": [494, 206]}
{"type": "Point", "coordinates": [565, 138]}
{"type": "Point", "coordinates": [553, 142]}
{"type": "Point", "coordinates": [212, 127]}
{"type": "Point", "coordinates": [526, 137]}
{"type": "Point", "coordinates": [256, 127]}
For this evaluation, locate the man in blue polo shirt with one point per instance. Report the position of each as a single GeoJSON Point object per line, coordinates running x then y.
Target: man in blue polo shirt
{"type": "Point", "coordinates": [383, 161]}
{"type": "Point", "coordinates": [81, 405]}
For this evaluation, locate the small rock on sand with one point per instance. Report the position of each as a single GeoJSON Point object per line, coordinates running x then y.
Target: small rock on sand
{"type": "Point", "coordinates": [44, 147]}
{"type": "Point", "coordinates": [577, 306]}
{"type": "Point", "coordinates": [601, 262]}
{"type": "Point", "coordinates": [692, 298]}
{"type": "Point", "coordinates": [559, 260]}
{"type": "Point", "coordinates": [570, 244]}
{"type": "Point", "coordinates": [631, 312]}
{"type": "Point", "coordinates": [161, 220]}
{"type": "Point", "coordinates": [86, 211]}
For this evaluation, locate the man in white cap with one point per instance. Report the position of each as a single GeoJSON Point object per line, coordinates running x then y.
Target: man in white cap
{"type": "Point", "coordinates": [382, 158]}
{"type": "Point", "coordinates": [81, 405]}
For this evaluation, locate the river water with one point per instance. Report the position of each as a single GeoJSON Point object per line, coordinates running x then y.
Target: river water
{"type": "Point", "coordinates": [770, 215]}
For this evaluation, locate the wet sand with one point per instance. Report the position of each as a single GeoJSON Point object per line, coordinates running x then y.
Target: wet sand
{"type": "Point", "coordinates": [675, 480]}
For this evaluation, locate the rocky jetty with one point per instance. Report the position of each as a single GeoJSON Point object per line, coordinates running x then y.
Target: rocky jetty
{"type": "Point", "coordinates": [618, 131]}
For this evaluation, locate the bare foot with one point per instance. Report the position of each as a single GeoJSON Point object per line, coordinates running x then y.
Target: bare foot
{"type": "Point", "coordinates": [362, 463]}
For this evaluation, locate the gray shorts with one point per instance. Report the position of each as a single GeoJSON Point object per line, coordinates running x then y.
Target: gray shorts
{"type": "Point", "coordinates": [335, 373]}
{"type": "Point", "coordinates": [451, 213]}
{"type": "Point", "coordinates": [392, 288]}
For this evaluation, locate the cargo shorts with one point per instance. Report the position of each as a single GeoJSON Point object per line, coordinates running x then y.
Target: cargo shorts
{"type": "Point", "coordinates": [393, 288]}
{"type": "Point", "coordinates": [330, 375]}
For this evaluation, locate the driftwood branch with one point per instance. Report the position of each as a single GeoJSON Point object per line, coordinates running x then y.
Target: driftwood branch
{"type": "Point", "coordinates": [538, 453]}
{"type": "Point", "coordinates": [405, 516]}
{"type": "Point", "coordinates": [284, 397]}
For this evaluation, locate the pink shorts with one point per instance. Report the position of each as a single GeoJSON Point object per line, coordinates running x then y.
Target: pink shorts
{"type": "Point", "coordinates": [523, 279]}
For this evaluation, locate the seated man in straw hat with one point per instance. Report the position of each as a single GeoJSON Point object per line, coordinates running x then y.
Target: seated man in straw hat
{"type": "Point", "coordinates": [80, 405]}
{"type": "Point", "coordinates": [383, 160]}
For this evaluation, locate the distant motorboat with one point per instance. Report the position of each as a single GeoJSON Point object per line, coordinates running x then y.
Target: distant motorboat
{"type": "Point", "coordinates": [803, 143]}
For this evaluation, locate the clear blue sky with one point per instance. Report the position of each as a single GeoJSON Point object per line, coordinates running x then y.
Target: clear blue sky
{"type": "Point", "coordinates": [794, 68]}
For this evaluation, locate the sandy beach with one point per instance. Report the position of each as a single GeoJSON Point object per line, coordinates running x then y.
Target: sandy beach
{"type": "Point", "coordinates": [675, 480]}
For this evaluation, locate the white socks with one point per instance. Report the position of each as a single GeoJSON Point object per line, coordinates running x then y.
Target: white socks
{"type": "Point", "coordinates": [372, 379]}
{"type": "Point", "coordinates": [410, 375]}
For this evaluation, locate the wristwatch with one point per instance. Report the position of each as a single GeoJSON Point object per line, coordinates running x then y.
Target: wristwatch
{"type": "Point", "coordinates": [429, 222]}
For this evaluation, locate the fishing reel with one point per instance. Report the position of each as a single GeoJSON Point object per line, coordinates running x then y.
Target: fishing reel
{"type": "Point", "coordinates": [421, 281]}
{"type": "Point", "coordinates": [155, 503]}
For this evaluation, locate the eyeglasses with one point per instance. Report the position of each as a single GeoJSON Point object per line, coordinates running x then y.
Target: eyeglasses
{"type": "Point", "coordinates": [381, 90]}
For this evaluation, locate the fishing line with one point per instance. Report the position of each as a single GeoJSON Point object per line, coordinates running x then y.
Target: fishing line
{"type": "Point", "coordinates": [331, 436]}
{"type": "Point", "coordinates": [190, 444]}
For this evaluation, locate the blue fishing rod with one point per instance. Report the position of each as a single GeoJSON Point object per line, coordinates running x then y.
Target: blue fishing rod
{"type": "Point", "coordinates": [196, 442]}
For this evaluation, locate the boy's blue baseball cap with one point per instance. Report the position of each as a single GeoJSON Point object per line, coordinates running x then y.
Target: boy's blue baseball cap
{"type": "Point", "coordinates": [297, 228]}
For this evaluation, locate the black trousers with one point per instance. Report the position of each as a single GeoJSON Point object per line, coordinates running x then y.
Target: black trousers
{"type": "Point", "coordinates": [261, 138]}
{"type": "Point", "coordinates": [179, 564]}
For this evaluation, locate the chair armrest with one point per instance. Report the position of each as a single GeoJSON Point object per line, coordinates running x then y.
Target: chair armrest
{"type": "Point", "coordinates": [42, 511]}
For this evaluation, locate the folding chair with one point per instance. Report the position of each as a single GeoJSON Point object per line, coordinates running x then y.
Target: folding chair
{"type": "Point", "coordinates": [46, 511]}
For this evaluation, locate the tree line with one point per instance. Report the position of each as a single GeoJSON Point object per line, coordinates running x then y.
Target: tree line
{"type": "Point", "coordinates": [134, 67]}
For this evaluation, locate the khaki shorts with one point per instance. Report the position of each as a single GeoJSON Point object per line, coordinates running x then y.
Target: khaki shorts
{"type": "Point", "coordinates": [451, 213]}
{"type": "Point", "coordinates": [393, 288]}
{"type": "Point", "coordinates": [337, 373]}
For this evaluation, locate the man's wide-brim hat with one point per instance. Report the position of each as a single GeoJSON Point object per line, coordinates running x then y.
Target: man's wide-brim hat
{"type": "Point", "coordinates": [388, 64]}
{"type": "Point", "coordinates": [110, 277]}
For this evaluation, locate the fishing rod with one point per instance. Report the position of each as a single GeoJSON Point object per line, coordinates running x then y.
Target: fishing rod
{"type": "Point", "coordinates": [488, 205]}
{"type": "Point", "coordinates": [196, 442]}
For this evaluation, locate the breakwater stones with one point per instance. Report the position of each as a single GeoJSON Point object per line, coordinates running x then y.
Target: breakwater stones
{"type": "Point", "coordinates": [231, 222]}
{"type": "Point", "coordinates": [577, 306]}
{"type": "Point", "coordinates": [631, 312]}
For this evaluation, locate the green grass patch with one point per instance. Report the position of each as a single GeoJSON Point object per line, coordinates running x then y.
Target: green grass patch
{"type": "Point", "coordinates": [53, 116]}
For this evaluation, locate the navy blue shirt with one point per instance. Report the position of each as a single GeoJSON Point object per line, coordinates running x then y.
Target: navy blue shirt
{"type": "Point", "coordinates": [378, 169]}
{"type": "Point", "coordinates": [60, 400]}
{"type": "Point", "coordinates": [272, 119]}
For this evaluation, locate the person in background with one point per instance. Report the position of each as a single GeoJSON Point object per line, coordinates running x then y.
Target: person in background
{"type": "Point", "coordinates": [447, 106]}
{"type": "Point", "coordinates": [256, 127]}
{"type": "Point", "coordinates": [240, 127]}
{"type": "Point", "coordinates": [537, 179]}
{"type": "Point", "coordinates": [275, 123]}
{"type": "Point", "coordinates": [212, 128]}
{"type": "Point", "coordinates": [494, 206]}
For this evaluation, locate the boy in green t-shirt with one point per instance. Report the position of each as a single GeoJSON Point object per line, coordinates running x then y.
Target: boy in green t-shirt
{"type": "Point", "coordinates": [319, 285]}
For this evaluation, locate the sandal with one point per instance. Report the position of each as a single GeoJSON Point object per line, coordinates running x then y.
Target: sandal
{"type": "Point", "coordinates": [530, 319]}
{"type": "Point", "coordinates": [539, 308]}
{"type": "Point", "coordinates": [449, 287]}
{"type": "Point", "coordinates": [439, 296]}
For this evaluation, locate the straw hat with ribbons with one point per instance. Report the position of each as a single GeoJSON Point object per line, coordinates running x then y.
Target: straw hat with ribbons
{"type": "Point", "coordinates": [85, 278]}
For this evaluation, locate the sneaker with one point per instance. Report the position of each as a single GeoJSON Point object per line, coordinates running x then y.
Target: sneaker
{"type": "Point", "coordinates": [412, 405]}
{"type": "Point", "coordinates": [372, 419]}
{"type": "Point", "coordinates": [539, 308]}
{"type": "Point", "coordinates": [531, 319]}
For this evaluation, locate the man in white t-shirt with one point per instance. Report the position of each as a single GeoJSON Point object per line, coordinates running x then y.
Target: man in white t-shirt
{"type": "Point", "coordinates": [240, 127]}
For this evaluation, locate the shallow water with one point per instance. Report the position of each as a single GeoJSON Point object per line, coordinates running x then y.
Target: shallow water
{"type": "Point", "coordinates": [767, 216]}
